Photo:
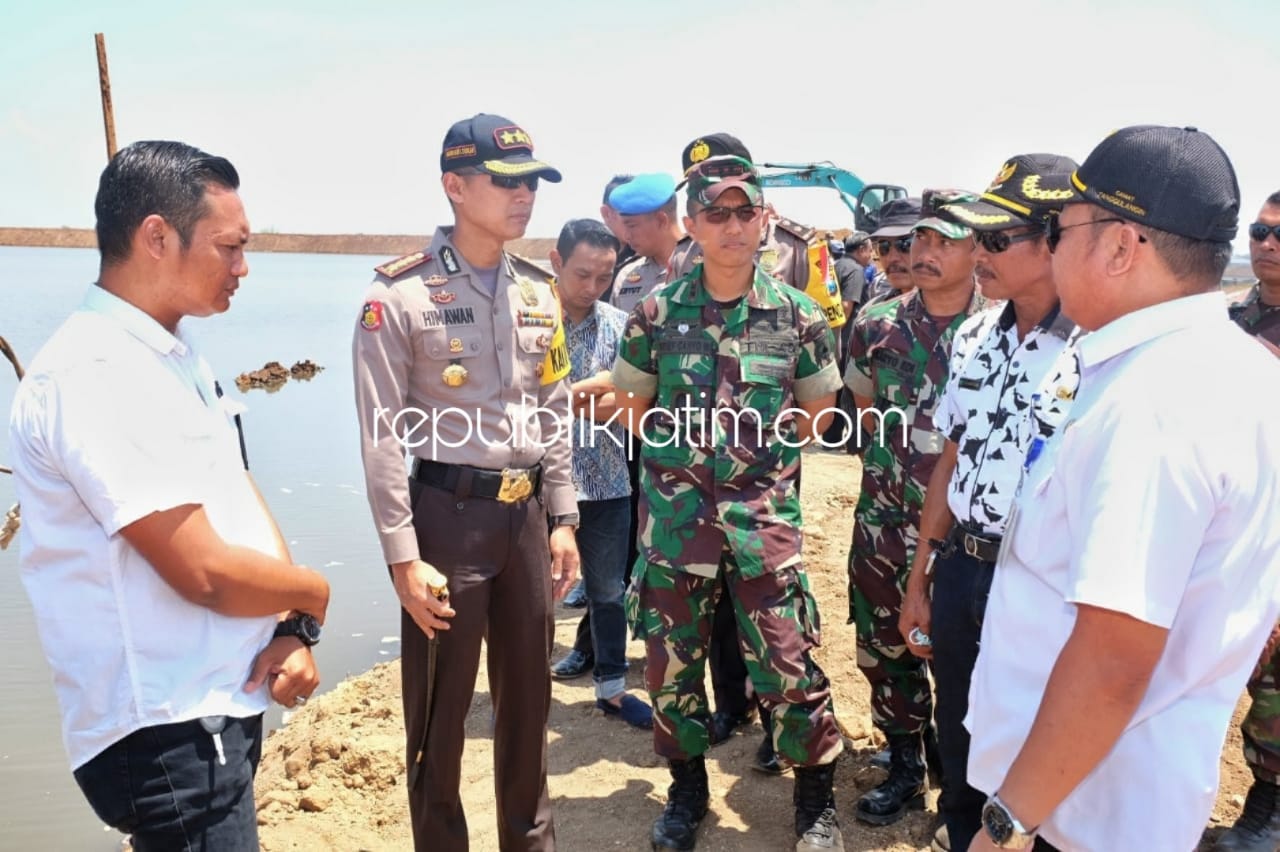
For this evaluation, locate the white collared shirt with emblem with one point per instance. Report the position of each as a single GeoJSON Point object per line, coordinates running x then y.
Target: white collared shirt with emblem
{"type": "Point", "coordinates": [986, 407]}
{"type": "Point", "coordinates": [117, 419]}
{"type": "Point", "coordinates": [1152, 502]}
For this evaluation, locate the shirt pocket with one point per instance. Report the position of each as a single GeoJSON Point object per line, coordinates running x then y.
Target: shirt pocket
{"type": "Point", "coordinates": [765, 384]}
{"type": "Point", "coordinates": [451, 344]}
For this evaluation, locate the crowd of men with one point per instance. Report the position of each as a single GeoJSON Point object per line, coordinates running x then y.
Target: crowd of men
{"type": "Point", "coordinates": [1064, 567]}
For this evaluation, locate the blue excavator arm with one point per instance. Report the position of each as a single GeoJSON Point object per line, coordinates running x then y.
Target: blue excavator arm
{"type": "Point", "coordinates": [862, 199]}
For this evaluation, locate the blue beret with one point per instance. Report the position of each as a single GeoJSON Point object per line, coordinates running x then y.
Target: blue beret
{"type": "Point", "coordinates": [642, 194]}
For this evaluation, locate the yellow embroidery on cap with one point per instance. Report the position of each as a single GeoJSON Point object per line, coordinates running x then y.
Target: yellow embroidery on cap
{"type": "Point", "coordinates": [1006, 172]}
{"type": "Point", "coordinates": [977, 218]}
{"type": "Point", "coordinates": [1031, 189]}
{"type": "Point", "coordinates": [699, 152]}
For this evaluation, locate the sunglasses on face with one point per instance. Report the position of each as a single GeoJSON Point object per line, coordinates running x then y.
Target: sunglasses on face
{"type": "Point", "coordinates": [995, 242]}
{"type": "Point", "coordinates": [719, 215]}
{"type": "Point", "coordinates": [1258, 231]}
{"type": "Point", "coordinates": [505, 182]}
{"type": "Point", "coordinates": [1053, 230]}
{"type": "Point", "coordinates": [902, 244]}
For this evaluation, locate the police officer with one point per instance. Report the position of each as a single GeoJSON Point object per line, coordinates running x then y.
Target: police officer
{"type": "Point", "coordinates": [899, 356]}
{"type": "Point", "coordinates": [723, 374]}
{"type": "Point", "coordinates": [459, 357]}
{"type": "Point", "coordinates": [1258, 827]}
{"type": "Point", "coordinates": [649, 214]}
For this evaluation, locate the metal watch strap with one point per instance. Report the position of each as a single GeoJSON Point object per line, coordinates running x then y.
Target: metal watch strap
{"type": "Point", "coordinates": [1021, 838]}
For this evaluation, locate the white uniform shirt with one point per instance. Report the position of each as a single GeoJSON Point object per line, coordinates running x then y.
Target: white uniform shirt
{"type": "Point", "coordinates": [985, 409]}
{"type": "Point", "coordinates": [117, 419]}
{"type": "Point", "coordinates": [1159, 498]}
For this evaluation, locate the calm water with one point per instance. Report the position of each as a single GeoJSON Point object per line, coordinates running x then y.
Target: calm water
{"type": "Point", "coordinates": [303, 451]}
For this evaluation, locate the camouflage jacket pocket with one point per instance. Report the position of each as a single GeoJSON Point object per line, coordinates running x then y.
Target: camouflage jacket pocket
{"type": "Point", "coordinates": [765, 385]}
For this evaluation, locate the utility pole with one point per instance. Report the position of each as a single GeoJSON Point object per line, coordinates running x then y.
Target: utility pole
{"type": "Point", "coordinates": [104, 83]}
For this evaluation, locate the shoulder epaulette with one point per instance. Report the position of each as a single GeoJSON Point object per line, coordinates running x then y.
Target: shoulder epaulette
{"type": "Point", "coordinates": [401, 265]}
{"type": "Point", "coordinates": [804, 232]}
{"type": "Point", "coordinates": [531, 269]}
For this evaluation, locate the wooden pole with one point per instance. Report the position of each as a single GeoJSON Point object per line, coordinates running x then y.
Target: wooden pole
{"type": "Point", "coordinates": [104, 83]}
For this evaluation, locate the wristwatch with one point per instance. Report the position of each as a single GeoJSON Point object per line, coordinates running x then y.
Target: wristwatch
{"type": "Point", "coordinates": [1003, 827]}
{"type": "Point", "coordinates": [303, 626]}
{"type": "Point", "coordinates": [569, 520]}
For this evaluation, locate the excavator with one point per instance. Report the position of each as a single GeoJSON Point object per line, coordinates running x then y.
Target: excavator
{"type": "Point", "coordinates": [863, 199]}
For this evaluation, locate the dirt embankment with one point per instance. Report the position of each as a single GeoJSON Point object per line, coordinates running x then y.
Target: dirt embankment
{"type": "Point", "coordinates": [390, 245]}
{"type": "Point", "coordinates": [334, 777]}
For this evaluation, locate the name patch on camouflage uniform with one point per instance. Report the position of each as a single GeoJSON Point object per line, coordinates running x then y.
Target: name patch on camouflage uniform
{"type": "Point", "coordinates": [756, 367]}
{"type": "Point", "coordinates": [400, 265]}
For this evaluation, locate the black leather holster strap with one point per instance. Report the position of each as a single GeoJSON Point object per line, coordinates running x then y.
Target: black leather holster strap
{"type": "Point", "coordinates": [465, 481]}
{"type": "Point", "coordinates": [984, 548]}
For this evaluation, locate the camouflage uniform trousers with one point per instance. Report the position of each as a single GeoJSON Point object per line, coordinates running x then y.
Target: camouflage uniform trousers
{"type": "Point", "coordinates": [778, 625]}
{"type": "Point", "coordinates": [1261, 726]}
{"type": "Point", "coordinates": [879, 563]}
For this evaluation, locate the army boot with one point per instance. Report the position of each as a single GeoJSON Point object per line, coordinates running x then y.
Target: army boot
{"type": "Point", "coordinates": [686, 805]}
{"type": "Point", "coordinates": [1258, 828]}
{"type": "Point", "coordinates": [815, 802]}
{"type": "Point", "coordinates": [903, 790]}
{"type": "Point", "coordinates": [766, 758]}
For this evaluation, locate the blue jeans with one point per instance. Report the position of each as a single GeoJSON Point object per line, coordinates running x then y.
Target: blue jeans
{"type": "Point", "coordinates": [602, 544]}
{"type": "Point", "coordinates": [165, 786]}
{"type": "Point", "coordinates": [961, 585]}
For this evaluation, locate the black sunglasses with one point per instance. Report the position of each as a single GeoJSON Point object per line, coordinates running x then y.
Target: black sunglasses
{"type": "Point", "coordinates": [746, 214]}
{"type": "Point", "coordinates": [995, 242]}
{"type": "Point", "coordinates": [1053, 230]}
{"type": "Point", "coordinates": [505, 182]}
{"type": "Point", "coordinates": [903, 244]}
{"type": "Point", "coordinates": [1258, 231]}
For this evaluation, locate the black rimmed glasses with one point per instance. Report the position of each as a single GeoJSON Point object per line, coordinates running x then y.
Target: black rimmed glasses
{"type": "Point", "coordinates": [1053, 229]}
{"type": "Point", "coordinates": [902, 244]}
{"type": "Point", "coordinates": [995, 242]}
{"type": "Point", "coordinates": [746, 214]}
{"type": "Point", "coordinates": [1258, 231]}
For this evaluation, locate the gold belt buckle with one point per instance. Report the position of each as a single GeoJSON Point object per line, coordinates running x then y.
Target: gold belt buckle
{"type": "Point", "coordinates": [517, 486]}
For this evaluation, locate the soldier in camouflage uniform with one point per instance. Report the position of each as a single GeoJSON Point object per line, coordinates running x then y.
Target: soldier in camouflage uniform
{"type": "Point", "coordinates": [1259, 825]}
{"type": "Point", "coordinates": [899, 357]}
{"type": "Point", "coordinates": [724, 373]}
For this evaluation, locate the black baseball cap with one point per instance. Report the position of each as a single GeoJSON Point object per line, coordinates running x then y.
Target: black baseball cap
{"type": "Point", "coordinates": [854, 240]}
{"type": "Point", "coordinates": [712, 145]}
{"type": "Point", "coordinates": [1173, 179]}
{"type": "Point", "coordinates": [1028, 189]}
{"type": "Point", "coordinates": [898, 217]}
{"type": "Point", "coordinates": [495, 145]}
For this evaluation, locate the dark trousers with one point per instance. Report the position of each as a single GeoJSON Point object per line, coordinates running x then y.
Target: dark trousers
{"type": "Point", "coordinates": [602, 544]}
{"type": "Point", "coordinates": [961, 585]}
{"type": "Point", "coordinates": [496, 558]}
{"type": "Point", "coordinates": [729, 675]}
{"type": "Point", "coordinates": [582, 642]}
{"type": "Point", "coordinates": [165, 786]}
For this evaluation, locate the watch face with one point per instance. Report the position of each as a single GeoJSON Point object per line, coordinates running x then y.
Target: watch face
{"type": "Point", "coordinates": [997, 823]}
{"type": "Point", "coordinates": [309, 628]}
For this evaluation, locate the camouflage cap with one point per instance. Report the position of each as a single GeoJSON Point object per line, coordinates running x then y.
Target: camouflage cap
{"type": "Point", "coordinates": [934, 200]}
{"type": "Point", "coordinates": [1028, 189]}
{"type": "Point", "coordinates": [711, 178]}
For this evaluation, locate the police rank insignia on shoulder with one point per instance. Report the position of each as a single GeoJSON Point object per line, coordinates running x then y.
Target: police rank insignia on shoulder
{"type": "Point", "coordinates": [804, 232]}
{"type": "Point", "coordinates": [450, 261]}
{"type": "Point", "coordinates": [371, 316]}
{"type": "Point", "coordinates": [401, 265]}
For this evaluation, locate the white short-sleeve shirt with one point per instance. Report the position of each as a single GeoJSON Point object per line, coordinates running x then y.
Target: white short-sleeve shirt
{"type": "Point", "coordinates": [1159, 497]}
{"type": "Point", "coordinates": [117, 419]}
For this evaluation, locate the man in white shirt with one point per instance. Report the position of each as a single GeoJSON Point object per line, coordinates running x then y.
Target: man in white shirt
{"type": "Point", "coordinates": [159, 579]}
{"type": "Point", "coordinates": [1140, 569]}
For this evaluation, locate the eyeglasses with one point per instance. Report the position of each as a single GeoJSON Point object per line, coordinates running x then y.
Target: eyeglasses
{"type": "Point", "coordinates": [995, 242]}
{"type": "Point", "coordinates": [902, 244]}
{"type": "Point", "coordinates": [1053, 230]}
{"type": "Point", "coordinates": [1258, 231]}
{"type": "Point", "coordinates": [506, 181]}
{"type": "Point", "coordinates": [746, 214]}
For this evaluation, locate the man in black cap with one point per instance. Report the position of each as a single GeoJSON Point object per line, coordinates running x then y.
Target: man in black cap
{"type": "Point", "coordinates": [460, 357]}
{"type": "Point", "coordinates": [999, 360]}
{"type": "Point", "coordinates": [1139, 575]}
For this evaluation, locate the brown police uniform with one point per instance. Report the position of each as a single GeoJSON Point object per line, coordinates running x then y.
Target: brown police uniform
{"type": "Point", "coordinates": [636, 280]}
{"type": "Point", "coordinates": [485, 371]}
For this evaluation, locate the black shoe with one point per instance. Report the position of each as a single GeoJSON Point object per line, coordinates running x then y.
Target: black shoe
{"type": "Point", "coordinates": [766, 757]}
{"type": "Point", "coordinates": [815, 803]}
{"type": "Point", "coordinates": [880, 760]}
{"type": "Point", "coordinates": [723, 725]}
{"type": "Point", "coordinates": [1258, 828]}
{"type": "Point", "coordinates": [575, 664]}
{"type": "Point", "coordinates": [902, 791]}
{"type": "Point", "coordinates": [686, 805]}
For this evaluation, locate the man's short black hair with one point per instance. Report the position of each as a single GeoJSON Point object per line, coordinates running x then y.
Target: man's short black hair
{"type": "Point", "coordinates": [167, 179]}
{"type": "Point", "coordinates": [615, 182]}
{"type": "Point", "coordinates": [1274, 198]}
{"type": "Point", "coordinates": [589, 231]}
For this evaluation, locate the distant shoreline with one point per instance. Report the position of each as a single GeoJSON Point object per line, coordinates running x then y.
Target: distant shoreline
{"type": "Point", "coordinates": [389, 245]}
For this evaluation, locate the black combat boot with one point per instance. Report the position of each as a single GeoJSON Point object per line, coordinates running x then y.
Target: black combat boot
{"type": "Point", "coordinates": [686, 805]}
{"type": "Point", "coordinates": [903, 790]}
{"type": "Point", "coordinates": [766, 758]}
{"type": "Point", "coordinates": [815, 802]}
{"type": "Point", "coordinates": [1258, 828]}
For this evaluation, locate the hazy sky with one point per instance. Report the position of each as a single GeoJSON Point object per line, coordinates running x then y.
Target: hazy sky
{"type": "Point", "coordinates": [334, 112]}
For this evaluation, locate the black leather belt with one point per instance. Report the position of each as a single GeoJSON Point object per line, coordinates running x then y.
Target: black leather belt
{"type": "Point", "coordinates": [510, 485]}
{"type": "Point", "coordinates": [983, 548]}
